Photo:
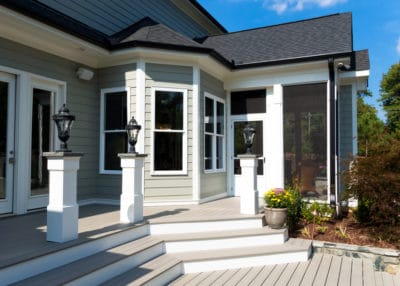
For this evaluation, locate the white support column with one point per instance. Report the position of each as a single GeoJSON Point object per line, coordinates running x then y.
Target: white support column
{"type": "Point", "coordinates": [131, 209]}
{"type": "Point", "coordinates": [249, 196]}
{"type": "Point", "coordinates": [63, 210]}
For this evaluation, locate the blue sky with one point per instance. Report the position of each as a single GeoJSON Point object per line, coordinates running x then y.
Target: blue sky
{"type": "Point", "coordinates": [376, 25]}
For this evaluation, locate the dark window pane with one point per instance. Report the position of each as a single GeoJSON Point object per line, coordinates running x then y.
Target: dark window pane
{"type": "Point", "coordinates": [220, 149]}
{"type": "Point", "coordinates": [240, 148]}
{"type": "Point", "coordinates": [114, 143]}
{"type": "Point", "coordinates": [305, 144]}
{"type": "Point", "coordinates": [220, 118]}
{"type": "Point", "coordinates": [115, 111]}
{"type": "Point", "coordinates": [208, 152]}
{"type": "Point", "coordinates": [168, 151]}
{"type": "Point", "coordinates": [169, 110]}
{"type": "Point", "coordinates": [209, 115]}
{"type": "Point", "coordinates": [251, 101]}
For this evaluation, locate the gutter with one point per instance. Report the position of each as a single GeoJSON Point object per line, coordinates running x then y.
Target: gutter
{"type": "Point", "coordinates": [334, 130]}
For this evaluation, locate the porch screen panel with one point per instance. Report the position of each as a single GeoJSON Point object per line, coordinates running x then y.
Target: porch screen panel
{"type": "Point", "coordinates": [248, 102]}
{"type": "Point", "coordinates": [305, 138]}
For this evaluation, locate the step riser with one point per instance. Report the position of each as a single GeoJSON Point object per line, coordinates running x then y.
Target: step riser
{"type": "Point", "coordinates": [115, 269]}
{"type": "Point", "coordinates": [193, 227]}
{"type": "Point", "coordinates": [236, 242]}
{"type": "Point", "coordinates": [244, 262]}
{"type": "Point", "coordinates": [45, 263]}
{"type": "Point", "coordinates": [167, 276]}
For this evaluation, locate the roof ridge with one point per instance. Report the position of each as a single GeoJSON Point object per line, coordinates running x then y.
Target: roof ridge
{"type": "Point", "coordinates": [276, 25]}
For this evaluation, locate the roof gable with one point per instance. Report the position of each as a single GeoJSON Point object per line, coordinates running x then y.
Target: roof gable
{"type": "Point", "coordinates": [309, 38]}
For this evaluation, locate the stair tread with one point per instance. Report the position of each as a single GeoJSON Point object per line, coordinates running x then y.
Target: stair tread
{"type": "Point", "coordinates": [204, 218]}
{"type": "Point", "coordinates": [91, 263]}
{"type": "Point", "coordinates": [145, 272]}
{"type": "Point", "coordinates": [289, 246]}
{"type": "Point", "coordinates": [220, 234]}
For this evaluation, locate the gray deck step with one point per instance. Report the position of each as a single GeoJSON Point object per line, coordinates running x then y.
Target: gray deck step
{"type": "Point", "coordinates": [158, 271]}
{"type": "Point", "coordinates": [223, 239]}
{"type": "Point", "coordinates": [100, 266]}
{"type": "Point", "coordinates": [294, 250]}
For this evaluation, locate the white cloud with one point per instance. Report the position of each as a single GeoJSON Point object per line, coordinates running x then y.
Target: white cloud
{"type": "Point", "coordinates": [398, 46]}
{"type": "Point", "coordinates": [281, 6]}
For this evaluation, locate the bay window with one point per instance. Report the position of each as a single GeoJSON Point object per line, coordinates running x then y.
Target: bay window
{"type": "Point", "coordinates": [169, 132]}
{"type": "Point", "coordinates": [113, 137]}
{"type": "Point", "coordinates": [214, 133]}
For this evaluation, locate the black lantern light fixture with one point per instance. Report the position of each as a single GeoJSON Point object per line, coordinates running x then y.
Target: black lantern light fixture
{"type": "Point", "coordinates": [248, 134]}
{"type": "Point", "coordinates": [64, 122]}
{"type": "Point", "coordinates": [133, 129]}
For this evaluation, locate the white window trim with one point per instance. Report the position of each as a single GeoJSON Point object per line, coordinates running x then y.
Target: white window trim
{"type": "Point", "coordinates": [214, 135]}
{"type": "Point", "coordinates": [102, 132]}
{"type": "Point", "coordinates": [184, 132]}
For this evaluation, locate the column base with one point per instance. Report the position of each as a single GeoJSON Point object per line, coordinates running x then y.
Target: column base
{"type": "Point", "coordinates": [62, 223]}
{"type": "Point", "coordinates": [249, 203]}
{"type": "Point", "coordinates": [131, 210]}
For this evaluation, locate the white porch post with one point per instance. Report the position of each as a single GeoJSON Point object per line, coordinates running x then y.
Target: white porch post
{"type": "Point", "coordinates": [249, 195]}
{"type": "Point", "coordinates": [63, 210]}
{"type": "Point", "coordinates": [131, 209]}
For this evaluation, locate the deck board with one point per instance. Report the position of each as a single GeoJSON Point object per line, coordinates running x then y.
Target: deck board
{"type": "Point", "coordinates": [312, 270]}
{"type": "Point", "coordinates": [250, 276]}
{"type": "Point", "coordinates": [223, 279]}
{"type": "Point", "coordinates": [322, 274]}
{"type": "Point", "coordinates": [357, 272]}
{"type": "Point", "coordinates": [264, 274]}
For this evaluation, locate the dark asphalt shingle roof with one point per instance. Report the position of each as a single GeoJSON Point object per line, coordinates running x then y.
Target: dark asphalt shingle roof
{"type": "Point", "coordinates": [319, 36]}
{"type": "Point", "coordinates": [148, 30]}
{"type": "Point", "coordinates": [361, 60]}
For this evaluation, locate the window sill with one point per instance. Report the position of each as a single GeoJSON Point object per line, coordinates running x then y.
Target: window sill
{"type": "Point", "coordinates": [168, 173]}
{"type": "Point", "coordinates": [214, 171]}
{"type": "Point", "coordinates": [110, 172]}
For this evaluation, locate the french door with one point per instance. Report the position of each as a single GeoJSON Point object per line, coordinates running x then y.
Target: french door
{"type": "Point", "coordinates": [238, 123]}
{"type": "Point", "coordinates": [7, 118]}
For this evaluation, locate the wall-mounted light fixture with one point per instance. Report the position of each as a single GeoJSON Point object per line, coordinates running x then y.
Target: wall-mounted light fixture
{"type": "Point", "coordinates": [84, 73]}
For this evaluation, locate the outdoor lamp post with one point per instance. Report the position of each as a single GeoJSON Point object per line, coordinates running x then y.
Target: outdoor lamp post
{"type": "Point", "coordinates": [132, 129]}
{"type": "Point", "coordinates": [64, 122]}
{"type": "Point", "coordinates": [248, 134]}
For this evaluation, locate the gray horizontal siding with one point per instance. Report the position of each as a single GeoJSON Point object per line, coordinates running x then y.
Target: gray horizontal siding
{"type": "Point", "coordinates": [109, 186]}
{"type": "Point", "coordinates": [82, 100]}
{"type": "Point", "coordinates": [110, 17]}
{"type": "Point", "coordinates": [176, 187]}
{"type": "Point", "coordinates": [215, 183]}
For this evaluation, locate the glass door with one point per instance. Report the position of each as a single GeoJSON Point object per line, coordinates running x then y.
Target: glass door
{"type": "Point", "coordinates": [7, 104]}
{"type": "Point", "coordinates": [42, 141]}
{"type": "Point", "coordinates": [239, 148]}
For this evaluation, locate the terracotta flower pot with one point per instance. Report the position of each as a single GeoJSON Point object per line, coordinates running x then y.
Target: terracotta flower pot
{"type": "Point", "coordinates": [275, 217]}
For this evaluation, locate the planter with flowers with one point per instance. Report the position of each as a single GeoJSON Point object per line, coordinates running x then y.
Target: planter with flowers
{"type": "Point", "coordinates": [277, 201]}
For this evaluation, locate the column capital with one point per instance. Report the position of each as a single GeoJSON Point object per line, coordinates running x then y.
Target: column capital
{"type": "Point", "coordinates": [60, 155]}
{"type": "Point", "coordinates": [131, 156]}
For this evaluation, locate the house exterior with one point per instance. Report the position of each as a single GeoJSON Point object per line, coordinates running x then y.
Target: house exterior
{"type": "Point", "coordinates": [190, 84]}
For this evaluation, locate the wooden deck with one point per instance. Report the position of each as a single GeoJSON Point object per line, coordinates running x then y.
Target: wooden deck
{"type": "Point", "coordinates": [321, 270]}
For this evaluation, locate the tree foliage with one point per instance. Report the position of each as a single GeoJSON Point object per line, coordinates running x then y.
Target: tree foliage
{"type": "Point", "coordinates": [390, 96]}
{"type": "Point", "coordinates": [370, 127]}
{"type": "Point", "coordinates": [375, 181]}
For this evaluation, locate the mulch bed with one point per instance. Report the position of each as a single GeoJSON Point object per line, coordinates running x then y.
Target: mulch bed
{"type": "Point", "coordinates": [347, 230]}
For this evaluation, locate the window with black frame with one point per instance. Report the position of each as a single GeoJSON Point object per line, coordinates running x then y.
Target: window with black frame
{"type": "Point", "coordinates": [114, 135]}
{"type": "Point", "coordinates": [169, 131]}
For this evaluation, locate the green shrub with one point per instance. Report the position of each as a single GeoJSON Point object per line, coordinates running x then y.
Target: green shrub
{"type": "Point", "coordinates": [317, 211]}
{"type": "Point", "coordinates": [294, 208]}
{"type": "Point", "coordinates": [362, 212]}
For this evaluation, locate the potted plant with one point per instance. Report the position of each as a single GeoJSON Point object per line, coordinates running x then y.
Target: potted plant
{"type": "Point", "coordinates": [277, 201]}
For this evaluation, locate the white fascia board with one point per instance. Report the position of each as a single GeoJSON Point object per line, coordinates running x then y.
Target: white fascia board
{"type": "Point", "coordinates": [355, 74]}
{"type": "Point", "coordinates": [311, 72]}
{"type": "Point", "coordinates": [29, 32]}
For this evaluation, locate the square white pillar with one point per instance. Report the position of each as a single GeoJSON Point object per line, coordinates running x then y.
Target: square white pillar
{"type": "Point", "coordinates": [63, 210]}
{"type": "Point", "coordinates": [131, 209]}
{"type": "Point", "coordinates": [249, 195]}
